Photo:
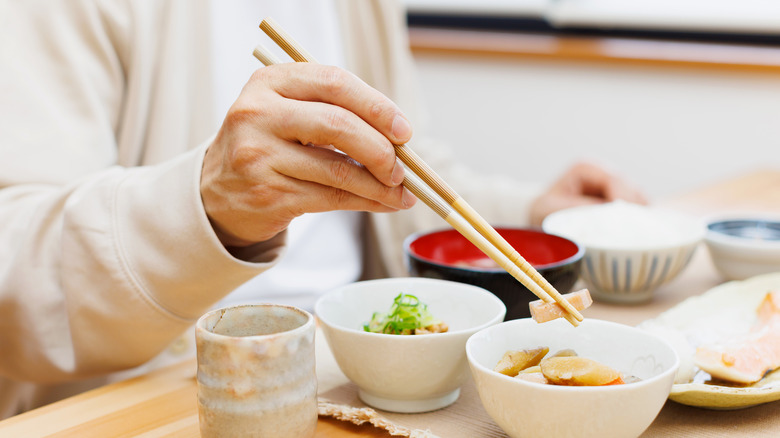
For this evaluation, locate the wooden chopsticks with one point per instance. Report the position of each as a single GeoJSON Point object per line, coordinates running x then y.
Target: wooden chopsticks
{"type": "Point", "coordinates": [446, 203]}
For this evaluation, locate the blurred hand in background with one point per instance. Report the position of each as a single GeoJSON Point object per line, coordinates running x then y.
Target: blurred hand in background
{"type": "Point", "coordinates": [583, 184]}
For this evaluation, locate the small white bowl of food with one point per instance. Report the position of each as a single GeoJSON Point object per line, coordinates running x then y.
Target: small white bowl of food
{"type": "Point", "coordinates": [744, 245]}
{"type": "Point", "coordinates": [362, 323]}
{"type": "Point", "coordinates": [630, 249]}
{"type": "Point", "coordinates": [600, 379]}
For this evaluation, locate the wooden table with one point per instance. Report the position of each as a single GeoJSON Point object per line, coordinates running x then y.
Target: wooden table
{"type": "Point", "coordinates": [163, 403]}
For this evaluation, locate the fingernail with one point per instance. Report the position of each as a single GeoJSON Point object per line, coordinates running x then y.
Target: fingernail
{"type": "Point", "coordinates": [398, 173]}
{"type": "Point", "coordinates": [402, 130]}
{"type": "Point", "coordinates": [408, 199]}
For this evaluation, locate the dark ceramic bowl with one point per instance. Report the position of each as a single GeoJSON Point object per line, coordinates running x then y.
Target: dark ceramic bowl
{"type": "Point", "coordinates": [447, 255]}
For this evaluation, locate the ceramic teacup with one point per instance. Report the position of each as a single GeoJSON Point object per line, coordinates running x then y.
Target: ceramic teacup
{"type": "Point", "coordinates": [256, 372]}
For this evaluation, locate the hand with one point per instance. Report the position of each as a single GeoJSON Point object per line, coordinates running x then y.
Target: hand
{"type": "Point", "coordinates": [277, 155]}
{"type": "Point", "coordinates": [583, 184]}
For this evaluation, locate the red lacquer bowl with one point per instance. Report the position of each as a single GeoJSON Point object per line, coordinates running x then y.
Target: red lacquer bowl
{"type": "Point", "coordinates": [447, 255]}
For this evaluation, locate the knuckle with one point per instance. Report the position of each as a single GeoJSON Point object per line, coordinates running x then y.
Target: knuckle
{"type": "Point", "coordinates": [383, 156]}
{"type": "Point", "coordinates": [285, 204]}
{"type": "Point", "coordinates": [381, 110]}
{"type": "Point", "coordinates": [336, 121]}
{"type": "Point", "coordinates": [258, 75]}
{"type": "Point", "coordinates": [335, 80]}
{"type": "Point", "coordinates": [243, 112]}
{"type": "Point", "coordinates": [338, 197]}
{"type": "Point", "coordinates": [259, 194]}
{"type": "Point", "coordinates": [385, 195]}
{"type": "Point", "coordinates": [284, 119]}
{"type": "Point", "coordinates": [294, 209]}
{"type": "Point", "coordinates": [263, 74]}
{"type": "Point", "coordinates": [342, 173]}
{"type": "Point", "coordinates": [242, 157]}
{"type": "Point", "coordinates": [386, 154]}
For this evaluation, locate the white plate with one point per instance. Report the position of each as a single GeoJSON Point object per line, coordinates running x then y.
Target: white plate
{"type": "Point", "coordinates": [725, 310]}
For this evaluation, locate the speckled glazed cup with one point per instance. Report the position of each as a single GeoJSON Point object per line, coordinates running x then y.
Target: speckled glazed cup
{"type": "Point", "coordinates": [256, 375]}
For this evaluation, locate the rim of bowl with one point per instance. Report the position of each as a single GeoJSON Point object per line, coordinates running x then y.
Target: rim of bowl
{"type": "Point", "coordinates": [643, 382]}
{"type": "Point", "coordinates": [695, 238]}
{"type": "Point", "coordinates": [493, 320]}
{"type": "Point", "coordinates": [199, 324]}
{"type": "Point", "coordinates": [568, 260]}
{"type": "Point", "coordinates": [718, 236]}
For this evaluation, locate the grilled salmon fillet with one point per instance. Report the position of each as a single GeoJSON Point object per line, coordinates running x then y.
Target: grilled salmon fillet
{"type": "Point", "coordinates": [747, 358]}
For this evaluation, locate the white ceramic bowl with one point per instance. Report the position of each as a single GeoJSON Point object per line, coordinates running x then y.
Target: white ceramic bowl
{"type": "Point", "coordinates": [528, 409]}
{"type": "Point", "coordinates": [399, 373]}
{"type": "Point", "coordinates": [630, 249]}
{"type": "Point", "coordinates": [743, 247]}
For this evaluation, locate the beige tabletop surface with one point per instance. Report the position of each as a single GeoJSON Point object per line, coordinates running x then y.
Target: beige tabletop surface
{"type": "Point", "coordinates": [163, 404]}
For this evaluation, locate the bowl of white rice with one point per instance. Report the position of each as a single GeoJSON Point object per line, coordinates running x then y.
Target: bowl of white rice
{"type": "Point", "coordinates": [630, 249]}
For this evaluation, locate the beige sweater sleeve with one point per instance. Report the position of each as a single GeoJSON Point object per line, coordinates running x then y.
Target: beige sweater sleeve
{"type": "Point", "coordinates": [102, 274]}
{"type": "Point", "coordinates": [106, 253]}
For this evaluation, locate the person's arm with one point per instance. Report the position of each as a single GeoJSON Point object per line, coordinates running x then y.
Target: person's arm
{"type": "Point", "coordinates": [101, 274]}
{"type": "Point", "coordinates": [101, 266]}
{"type": "Point", "coordinates": [106, 264]}
{"type": "Point", "coordinates": [302, 138]}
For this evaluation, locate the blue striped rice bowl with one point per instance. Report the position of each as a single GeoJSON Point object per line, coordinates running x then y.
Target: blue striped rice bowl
{"type": "Point", "coordinates": [632, 275]}
{"type": "Point", "coordinates": [630, 250]}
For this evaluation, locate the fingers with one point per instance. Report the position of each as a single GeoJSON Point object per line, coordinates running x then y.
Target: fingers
{"type": "Point", "coordinates": [585, 179]}
{"type": "Point", "coordinates": [321, 83]}
{"type": "Point", "coordinates": [251, 191]}
{"type": "Point", "coordinates": [328, 168]}
{"type": "Point", "coordinates": [308, 197]}
{"type": "Point", "coordinates": [590, 180]}
{"type": "Point", "coordinates": [321, 123]}
{"type": "Point", "coordinates": [583, 184]}
{"type": "Point", "coordinates": [620, 189]}
{"type": "Point", "coordinates": [352, 116]}
{"type": "Point", "coordinates": [259, 213]}
{"type": "Point", "coordinates": [551, 202]}
{"type": "Point", "coordinates": [302, 138]}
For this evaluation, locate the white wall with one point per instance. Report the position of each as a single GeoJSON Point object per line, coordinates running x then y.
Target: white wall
{"type": "Point", "coordinates": [667, 129]}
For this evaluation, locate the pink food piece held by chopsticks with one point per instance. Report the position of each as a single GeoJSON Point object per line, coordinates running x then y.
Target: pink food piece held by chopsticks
{"type": "Point", "coordinates": [543, 312]}
{"type": "Point", "coordinates": [747, 358]}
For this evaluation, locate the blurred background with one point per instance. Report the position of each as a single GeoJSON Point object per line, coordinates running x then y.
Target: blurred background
{"type": "Point", "coordinates": [672, 94]}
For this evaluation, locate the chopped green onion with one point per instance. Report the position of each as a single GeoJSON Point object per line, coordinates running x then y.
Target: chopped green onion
{"type": "Point", "coordinates": [406, 313]}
